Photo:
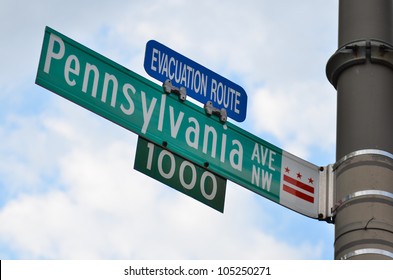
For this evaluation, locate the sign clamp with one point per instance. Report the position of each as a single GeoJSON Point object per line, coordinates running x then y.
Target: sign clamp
{"type": "Point", "coordinates": [358, 52]}
{"type": "Point", "coordinates": [169, 88]}
{"type": "Point", "coordinates": [326, 194]}
{"type": "Point", "coordinates": [211, 110]}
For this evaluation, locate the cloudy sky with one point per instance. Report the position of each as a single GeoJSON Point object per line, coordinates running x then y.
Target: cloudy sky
{"type": "Point", "coordinates": [67, 185]}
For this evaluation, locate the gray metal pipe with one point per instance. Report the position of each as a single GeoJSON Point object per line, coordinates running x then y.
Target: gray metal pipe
{"type": "Point", "coordinates": [363, 74]}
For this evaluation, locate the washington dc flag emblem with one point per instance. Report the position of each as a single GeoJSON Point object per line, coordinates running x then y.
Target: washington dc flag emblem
{"type": "Point", "coordinates": [299, 184]}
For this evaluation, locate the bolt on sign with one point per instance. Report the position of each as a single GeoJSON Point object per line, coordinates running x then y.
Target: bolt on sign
{"type": "Point", "coordinates": [110, 90]}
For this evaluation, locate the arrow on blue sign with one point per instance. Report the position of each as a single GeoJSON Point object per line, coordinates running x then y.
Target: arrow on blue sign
{"type": "Point", "coordinates": [202, 84]}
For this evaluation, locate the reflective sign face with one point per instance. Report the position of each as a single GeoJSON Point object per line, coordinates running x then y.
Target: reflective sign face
{"type": "Point", "coordinates": [200, 83]}
{"type": "Point", "coordinates": [180, 174]}
{"type": "Point", "coordinates": [139, 105]}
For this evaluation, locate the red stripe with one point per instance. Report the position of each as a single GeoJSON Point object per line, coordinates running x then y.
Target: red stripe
{"type": "Point", "coordinates": [298, 194]}
{"type": "Point", "coordinates": [298, 184]}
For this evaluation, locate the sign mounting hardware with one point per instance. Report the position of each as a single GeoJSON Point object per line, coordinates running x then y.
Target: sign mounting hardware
{"type": "Point", "coordinates": [170, 88]}
{"type": "Point", "coordinates": [211, 110]}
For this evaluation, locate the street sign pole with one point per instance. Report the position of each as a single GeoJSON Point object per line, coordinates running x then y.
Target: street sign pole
{"type": "Point", "coordinates": [361, 71]}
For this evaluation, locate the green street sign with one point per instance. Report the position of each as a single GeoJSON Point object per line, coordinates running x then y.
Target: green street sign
{"type": "Point", "coordinates": [180, 174]}
{"type": "Point", "coordinates": [141, 106]}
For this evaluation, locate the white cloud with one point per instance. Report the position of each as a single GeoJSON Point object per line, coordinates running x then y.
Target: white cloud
{"type": "Point", "coordinates": [300, 115]}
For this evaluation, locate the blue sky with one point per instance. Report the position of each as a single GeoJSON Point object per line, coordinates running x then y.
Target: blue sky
{"type": "Point", "coordinates": [67, 185]}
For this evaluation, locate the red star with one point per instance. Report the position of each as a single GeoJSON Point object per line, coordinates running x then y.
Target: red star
{"type": "Point", "coordinates": [287, 169]}
{"type": "Point", "coordinates": [311, 180]}
{"type": "Point", "coordinates": [299, 176]}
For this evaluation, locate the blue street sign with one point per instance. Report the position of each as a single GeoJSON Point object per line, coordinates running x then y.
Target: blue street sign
{"type": "Point", "coordinates": [202, 84]}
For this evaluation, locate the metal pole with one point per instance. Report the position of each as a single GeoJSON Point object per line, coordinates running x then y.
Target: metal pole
{"type": "Point", "coordinates": [362, 72]}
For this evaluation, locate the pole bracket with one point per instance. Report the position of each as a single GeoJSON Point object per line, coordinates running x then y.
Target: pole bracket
{"type": "Point", "coordinates": [170, 88]}
{"type": "Point", "coordinates": [367, 251]}
{"type": "Point", "coordinates": [368, 195]}
{"type": "Point", "coordinates": [326, 194]}
{"type": "Point", "coordinates": [365, 152]}
{"type": "Point", "coordinates": [358, 52]}
{"type": "Point", "coordinates": [211, 110]}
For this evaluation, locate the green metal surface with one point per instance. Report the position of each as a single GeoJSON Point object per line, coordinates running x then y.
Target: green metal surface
{"type": "Point", "coordinates": [110, 90]}
{"type": "Point", "coordinates": [180, 174]}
